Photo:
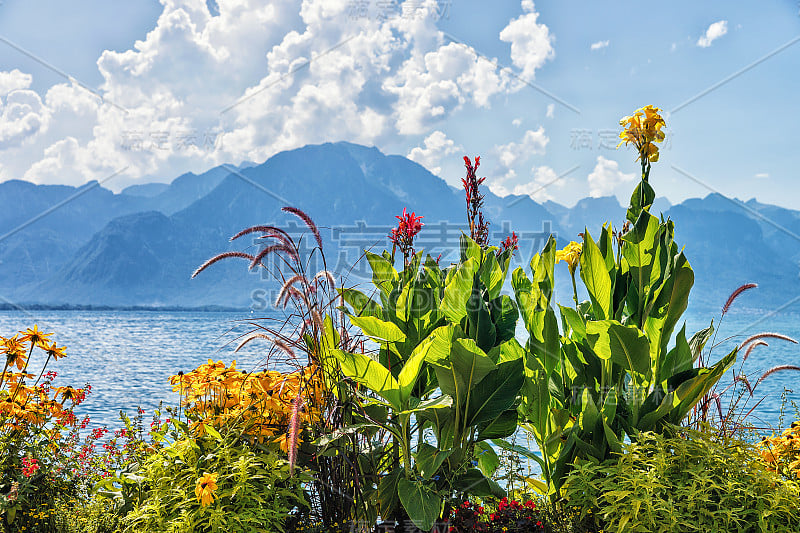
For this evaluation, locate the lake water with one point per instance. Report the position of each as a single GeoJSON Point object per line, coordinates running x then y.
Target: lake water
{"type": "Point", "coordinates": [128, 356]}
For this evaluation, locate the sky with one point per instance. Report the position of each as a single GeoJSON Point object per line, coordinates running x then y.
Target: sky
{"type": "Point", "coordinates": [141, 91]}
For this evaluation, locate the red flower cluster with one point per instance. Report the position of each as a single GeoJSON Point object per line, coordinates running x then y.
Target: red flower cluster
{"type": "Point", "coordinates": [511, 243]}
{"type": "Point", "coordinates": [29, 466]}
{"type": "Point", "coordinates": [403, 235]}
{"type": "Point", "coordinates": [478, 227]}
{"type": "Point", "coordinates": [511, 517]}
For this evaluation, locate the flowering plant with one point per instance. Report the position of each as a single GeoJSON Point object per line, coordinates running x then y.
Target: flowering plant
{"type": "Point", "coordinates": [782, 452]}
{"type": "Point", "coordinates": [478, 227]}
{"type": "Point", "coordinates": [38, 432]}
{"type": "Point", "coordinates": [257, 404]}
{"type": "Point", "coordinates": [506, 517]}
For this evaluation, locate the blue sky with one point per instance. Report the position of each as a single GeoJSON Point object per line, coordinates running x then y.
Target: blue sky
{"type": "Point", "coordinates": [537, 89]}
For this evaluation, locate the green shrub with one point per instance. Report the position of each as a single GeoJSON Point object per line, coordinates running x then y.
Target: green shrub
{"type": "Point", "coordinates": [96, 515]}
{"type": "Point", "coordinates": [253, 491]}
{"type": "Point", "coordinates": [692, 481]}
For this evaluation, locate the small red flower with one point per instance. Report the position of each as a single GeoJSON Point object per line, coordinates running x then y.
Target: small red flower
{"type": "Point", "coordinates": [29, 466]}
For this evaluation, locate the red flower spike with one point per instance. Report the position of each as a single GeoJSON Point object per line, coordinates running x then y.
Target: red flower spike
{"type": "Point", "coordinates": [403, 235]}
{"type": "Point", "coordinates": [478, 227]}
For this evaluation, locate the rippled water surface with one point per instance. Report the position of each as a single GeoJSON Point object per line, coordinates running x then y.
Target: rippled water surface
{"type": "Point", "coordinates": [128, 356]}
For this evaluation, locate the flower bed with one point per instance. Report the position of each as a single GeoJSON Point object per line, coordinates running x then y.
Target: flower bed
{"type": "Point", "coordinates": [402, 401]}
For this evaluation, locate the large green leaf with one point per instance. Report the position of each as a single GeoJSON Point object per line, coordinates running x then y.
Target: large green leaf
{"type": "Point", "coordinates": [498, 428]}
{"type": "Point", "coordinates": [458, 291]}
{"type": "Point", "coordinates": [488, 461]}
{"type": "Point", "coordinates": [688, 393]}
{"type": "Point", "coordinates": [536, 398]}
{"type": "Point", "coordinates": [469, 249]}
{"type": "Point", "coordinates": [409, 374]}
{"type": "Point", "coordinates": [429, 459]}
{"type": "Point", "coordinates": [475, 483]}
{"type": "Point", "coordinates": [654, 411]}
{"type": "Point", "coordinates": [492, 275]}
{"type": "Point", "coordinates": [699, 340]}
{"type": "Point", "coordinates": [442, 422]}
{"type": "Point", "coordinates": [641, 199]}
{"type": "Point", "coordinates": [479, 321]}
{"type": "Point", "coordinates": [625, 345]}
{"type": "Point", "coordinates": [495, 393]}
{"type": "Point", "coordinates": [504, 315]}
{"type": "Point", "coordinates": [638, 250]}
{"type": "Point", "coordinates": [427, 407]}
{"type": "Point", "coordinates": [468, 366]}
{"type": "Point", "coordinates": [420, 501]}
{"type": "Point", "coordinates": [668, 307]}
{"type": "Point", "coordinates": [596, 278]}
{"type": "Point", "coordinates": [589, 413]}
{"type": "Point", "coordinates": [575, 322]}
{"type": "Point", "coordinates": [361, 304]}
{"type": "Point", "coordinates": [546, 347]}
{"type": "Point", "coordinates": [383, 273]}
{"type": "Point", "coordinates": [508, 351]}
{"type": "Point", "coordinates": [677, 360]}
{"type": "Point", "coordinates": [533, 295]}
{"type": "Point", "coordinates": [371, 374]}
{"type": "Point", "coordinates": [378, 329]}
{"type": "Point", "coordinates": [388, 492]}
{"type": "Point", "coordinates": [437, 345]}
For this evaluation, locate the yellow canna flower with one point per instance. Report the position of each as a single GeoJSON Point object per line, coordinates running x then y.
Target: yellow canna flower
{"type": "Point", "coordinates": [204, 490]}
{"type": "Point", "coordinates": [571, 255]}
{"type": "Point", "coordinates": [642, 129]}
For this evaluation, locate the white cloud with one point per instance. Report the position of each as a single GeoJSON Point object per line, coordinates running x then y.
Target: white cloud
{"type": "Point", "coordinates": [516, 122]}
{"type": "Point", "coordinates": [508, 157]}
{"type": "Point", "coordinates": [14, 80]}
{"type": "Point", "coordinates": [599, 45]}
{"type": "Point", "coordinates": [531, 43]}
{"type": "Point", "coordinates": [437, 146]}
{"type": "Point", "coordinates": [539, 188]}
{"type": "Point", "coordinates": [550, 110]}
{"type": "Point", "coordinates": [22, 115]}
{"type": "Point", "coordinates": [605, 177]}
{"type": "Point", "coordinates": [513, 153]}
{"type": "Point", "coordinates": [431, 85]}
{"type": "Point", "coordinates": [761, 175]}
{"type": "Point", "coordinates": [374, 80]}
{"type": "Point", "coordinates": [714, 31]}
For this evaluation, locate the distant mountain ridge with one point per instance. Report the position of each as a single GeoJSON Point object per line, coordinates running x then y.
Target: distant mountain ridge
{"type": "Point", "coordinates": [139, 247]}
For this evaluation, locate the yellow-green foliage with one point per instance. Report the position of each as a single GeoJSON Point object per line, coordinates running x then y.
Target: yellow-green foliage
{"type": "Point", "coordinates": [693, 482]}
{"type": "Point", "coordinates": [253, 489]}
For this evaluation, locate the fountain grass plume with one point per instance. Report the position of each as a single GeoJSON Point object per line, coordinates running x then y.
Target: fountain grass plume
{"type": "Point", "coordinates": [307, 219]}
{"type": "Point", "coordinates": [735, 294]}
{"type": "Point", "coordinates": [220, 257]}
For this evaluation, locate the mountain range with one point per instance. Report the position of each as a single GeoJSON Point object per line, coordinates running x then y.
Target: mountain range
{"type": "Point", "coordinates": [89, 246]}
